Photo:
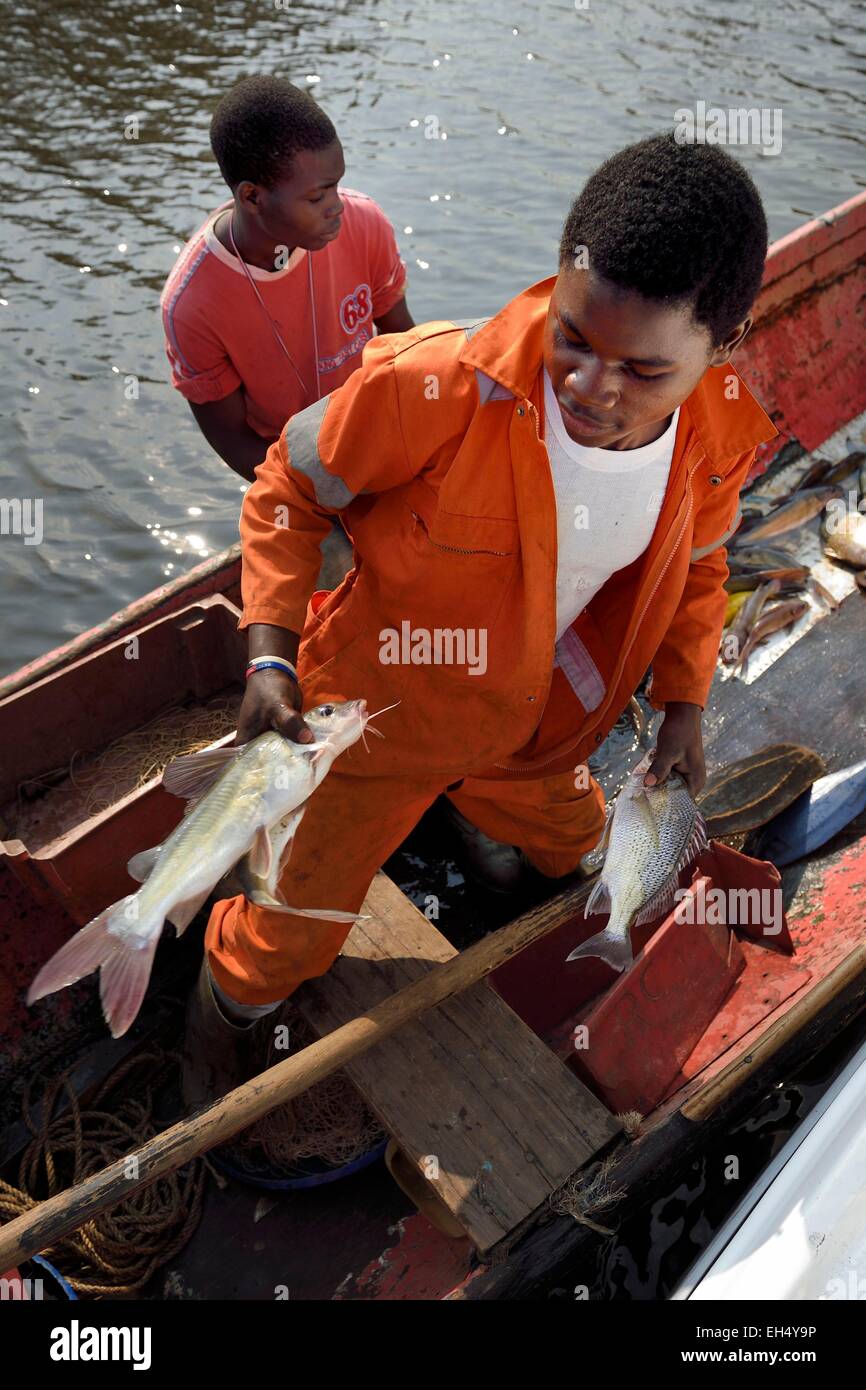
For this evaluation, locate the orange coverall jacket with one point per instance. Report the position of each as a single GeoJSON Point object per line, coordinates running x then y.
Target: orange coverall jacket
{"type": "Point", "coordinates": [432, 453]}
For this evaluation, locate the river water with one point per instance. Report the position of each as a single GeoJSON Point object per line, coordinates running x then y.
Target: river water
{"type": "Point", "coordinates": [530, 97]}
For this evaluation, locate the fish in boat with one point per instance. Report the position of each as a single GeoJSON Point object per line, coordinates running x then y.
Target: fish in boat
{"type": "Point", "coordinates": [846, 466]}
{"type": "Point", "coordinates": [651, 835]}
{"type": "Point", "coordinates": [844, 535]}
{"type": "Point", "coordinates": [760, 557]}
{"type": "Point", "coordinates": [238, 796]}
{"type": "Point", "coordinates": [789, 517]}
{"type": "Point", "coordinates": [773, 619]}
{"type": "Point", "coordinates": [732, 642]}
{"type": "Point", "coordinates": [794, 575]}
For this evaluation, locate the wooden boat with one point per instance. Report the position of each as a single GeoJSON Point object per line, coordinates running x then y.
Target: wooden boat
{"type": "Point", "coordinates": [712, 1049]}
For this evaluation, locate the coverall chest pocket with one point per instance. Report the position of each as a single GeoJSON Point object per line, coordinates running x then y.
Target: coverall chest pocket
{"type": "Point", "coordinates": [468, 536]}
{"type": "Point", "coordinates": [463, 568]}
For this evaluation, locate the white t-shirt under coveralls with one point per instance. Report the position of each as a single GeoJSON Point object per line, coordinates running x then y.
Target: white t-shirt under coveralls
{"type": "Point", "coordinates": [607, 505]}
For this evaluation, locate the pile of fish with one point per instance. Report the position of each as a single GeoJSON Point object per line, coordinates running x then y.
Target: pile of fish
{"type": "Point", "coordinates": [245, 804]}
{"type": "Point", "coordinates": [766, 585]}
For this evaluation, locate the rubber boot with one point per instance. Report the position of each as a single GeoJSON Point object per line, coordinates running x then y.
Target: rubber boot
{"type": "Point", "coordinates": [217, 1054]}
{"type": "Point", "coordinates": [497, 867]}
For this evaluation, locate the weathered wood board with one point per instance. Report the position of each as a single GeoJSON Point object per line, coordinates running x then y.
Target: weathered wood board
{"type": "Point", "coordinates": [467, 1090]}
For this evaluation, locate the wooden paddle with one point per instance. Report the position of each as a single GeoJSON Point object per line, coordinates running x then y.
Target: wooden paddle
{"type": "Point", "coordinates": [66, 1211]}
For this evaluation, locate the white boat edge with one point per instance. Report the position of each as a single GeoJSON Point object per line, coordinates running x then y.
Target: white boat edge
{"type": "Point", "coordinates": [800, 1231]}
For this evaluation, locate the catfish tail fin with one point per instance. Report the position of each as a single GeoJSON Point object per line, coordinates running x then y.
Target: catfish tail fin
{"type": "Point", "coordinates": [123, 961]}
{"type": "Point", "coordinates": [85, 952]}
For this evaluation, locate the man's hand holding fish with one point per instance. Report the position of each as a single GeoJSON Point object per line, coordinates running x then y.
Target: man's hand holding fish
{"type": "Point", "coordinates": [679, 748]}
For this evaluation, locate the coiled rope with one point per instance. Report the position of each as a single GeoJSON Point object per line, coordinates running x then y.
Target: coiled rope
{"type": "Point", "coordinates": [119, 1250]}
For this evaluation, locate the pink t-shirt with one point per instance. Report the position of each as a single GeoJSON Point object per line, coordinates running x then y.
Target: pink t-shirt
{"type": "Point", "coordinates": [218, 335]}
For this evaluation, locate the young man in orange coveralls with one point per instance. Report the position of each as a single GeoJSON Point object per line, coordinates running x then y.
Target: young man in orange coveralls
{"type": "Point", "coordinates": [452, 456]}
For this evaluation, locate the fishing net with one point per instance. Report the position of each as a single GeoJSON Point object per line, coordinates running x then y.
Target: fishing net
{"type": "Point", "coordinates": [119, 1250]}
{"type": "Point", "coordinates": [89, 784]}
{"type": "Point", "coordinates": [144, 753]}
{"type": "Point", "coordinates": [585, 1197]}
{"type": "Point", "coordinates": [330, 1122]}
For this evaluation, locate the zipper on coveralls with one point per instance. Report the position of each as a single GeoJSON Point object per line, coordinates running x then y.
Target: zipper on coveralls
{"type": "Point", "coordinates": [554, 757]}
{"type": "Point", "coordinates": [455, 549]}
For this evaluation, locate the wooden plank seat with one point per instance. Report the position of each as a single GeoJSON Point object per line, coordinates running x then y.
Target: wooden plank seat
{"type": "Point", "coordinates": [484, 1110]}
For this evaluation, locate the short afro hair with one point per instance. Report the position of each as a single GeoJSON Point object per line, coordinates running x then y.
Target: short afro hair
{"type": "Point", "coordinates": [676, 222]}
{"type": "Point", "coordinates": [260, 125]}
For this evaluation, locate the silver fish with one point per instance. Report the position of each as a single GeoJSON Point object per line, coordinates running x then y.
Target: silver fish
{"type": "Point", "coordinates": [841, 470]}
{"type": "Point", "coordinates": [793, 576]}
{"type": "Point", "coordinates": [653, 833]}
{"type": "Point", "coordinates": [770, 620]}
{"type": "Point", "coordinates": [789, 517]}
{"type": "Point", "coordinates": [764, 557]}
{"type": "Point", "coordinates": [732, 642]}
{"type": "Point", "coordinates": [237, 797]}
{"type": "Point", "coordinates": [816, 473]}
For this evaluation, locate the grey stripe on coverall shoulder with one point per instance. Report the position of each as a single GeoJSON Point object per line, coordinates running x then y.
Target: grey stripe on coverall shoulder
{"type": "Point", "coordinates": [302, 434]}
{"type": "Point", "coordinates": [470, 326]}
{"type": "Point", "coordinates": [488, 388]}
{"type": "Point", "coordinates": [302, 442]}
{"type": "Point", "coordinates": [700, 551]}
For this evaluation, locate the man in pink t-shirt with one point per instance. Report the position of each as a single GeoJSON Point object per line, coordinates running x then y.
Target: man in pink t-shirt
{"type": "Point", "coordinates": [271, 301]}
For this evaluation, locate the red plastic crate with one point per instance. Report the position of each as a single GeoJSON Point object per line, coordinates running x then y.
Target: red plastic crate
{"type": "Point", "coordinates": [183, 659]}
